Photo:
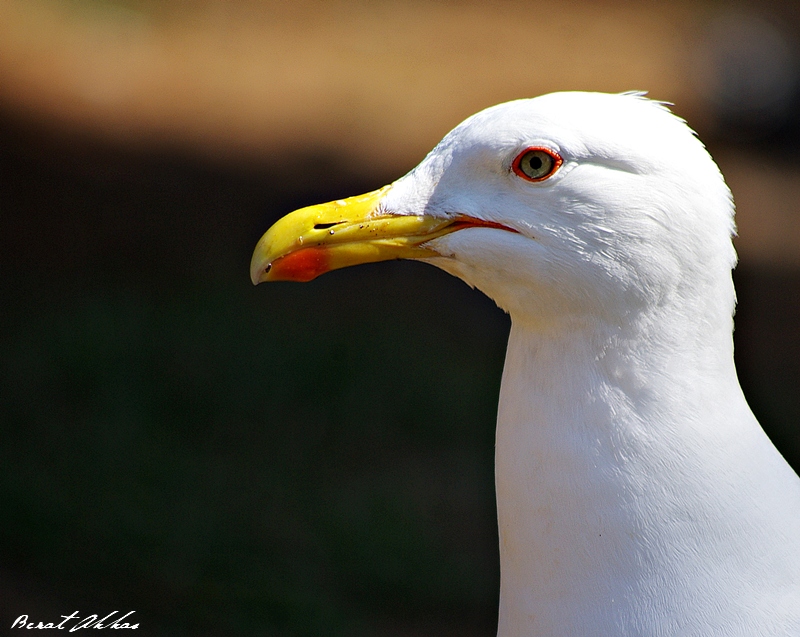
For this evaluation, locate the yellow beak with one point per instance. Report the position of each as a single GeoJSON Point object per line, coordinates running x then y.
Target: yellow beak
{"type": "Point", "coordinates": [317, 239]}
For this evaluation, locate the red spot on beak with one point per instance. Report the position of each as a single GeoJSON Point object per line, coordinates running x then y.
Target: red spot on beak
{"type": "Point", "coordinates": [302, 265]}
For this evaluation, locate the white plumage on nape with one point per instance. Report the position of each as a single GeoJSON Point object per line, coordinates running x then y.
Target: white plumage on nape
{"type": "Point", "coordinates": [637, 495]}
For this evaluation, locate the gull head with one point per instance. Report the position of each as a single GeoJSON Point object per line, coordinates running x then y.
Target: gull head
{"type": "Point", "coordinates": [561, 208]}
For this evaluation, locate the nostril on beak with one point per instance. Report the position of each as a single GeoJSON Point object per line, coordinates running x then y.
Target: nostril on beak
{"type": "Point", "coordinates": [325, 226]}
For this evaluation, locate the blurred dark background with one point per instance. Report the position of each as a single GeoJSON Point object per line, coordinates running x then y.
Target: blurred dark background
{"type": "Point", "coordinates": [307, 459]}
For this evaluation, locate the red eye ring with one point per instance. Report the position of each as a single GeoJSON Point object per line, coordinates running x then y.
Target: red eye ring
{"type": "Point", "coordinates": [536, 163]}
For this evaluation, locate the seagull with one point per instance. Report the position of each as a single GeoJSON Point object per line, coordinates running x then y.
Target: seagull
{"type": "Point", "coordinates": [637, 495]}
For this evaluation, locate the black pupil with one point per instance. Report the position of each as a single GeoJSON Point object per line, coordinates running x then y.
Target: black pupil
{"type": "Point", "coordinates": [535, 162]}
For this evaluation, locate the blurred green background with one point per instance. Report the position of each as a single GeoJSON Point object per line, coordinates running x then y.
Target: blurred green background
{"type": "Point", "coordinates": [307, 459]}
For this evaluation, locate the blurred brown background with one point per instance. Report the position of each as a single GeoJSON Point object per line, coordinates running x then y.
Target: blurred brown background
{"type": "Point", "coordinates": [315, 459]}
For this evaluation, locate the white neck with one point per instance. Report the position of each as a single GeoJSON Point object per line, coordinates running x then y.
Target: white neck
{"type": "Point", "coordinates": [631, 503]}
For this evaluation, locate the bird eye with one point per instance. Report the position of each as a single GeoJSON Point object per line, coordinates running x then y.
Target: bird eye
{"type": "Point", "coordinates": [536, 164]}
